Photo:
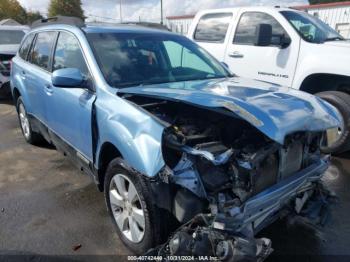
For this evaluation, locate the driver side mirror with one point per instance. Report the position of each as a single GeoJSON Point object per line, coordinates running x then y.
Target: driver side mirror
{"type": "Point", "coordinates": [285, 41]}
{"type": "Point", "coordinates": [67, 77]}
{"type": "Point", "coordinates": [263, 35]}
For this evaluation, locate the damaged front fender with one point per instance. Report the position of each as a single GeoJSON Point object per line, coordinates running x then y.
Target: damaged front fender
{"type": "Point", "coordinates": [136, 135]}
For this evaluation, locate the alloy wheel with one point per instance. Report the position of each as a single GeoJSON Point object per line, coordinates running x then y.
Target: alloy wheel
{"type": "Point", "coordinates": [127, 208]}
{"type": "Point", "coordinates": [24, 121]}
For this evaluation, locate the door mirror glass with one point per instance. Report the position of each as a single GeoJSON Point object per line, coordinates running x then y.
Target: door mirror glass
{"type": "Point", "coordinates": [263, 35]}
{"type": "Point", "coordinates": [67, 77]}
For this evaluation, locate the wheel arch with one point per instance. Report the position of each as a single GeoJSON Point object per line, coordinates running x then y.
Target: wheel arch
{"type": "Point", "coordinates": [15, 95]}
{"type": "Point", "coordinates": [107, 153]}
{"type": "Point", "coordinates": [320, 82]}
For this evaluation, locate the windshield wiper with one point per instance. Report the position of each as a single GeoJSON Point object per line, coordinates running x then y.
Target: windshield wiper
{"type": "Point", "coordinates": [334, 38]}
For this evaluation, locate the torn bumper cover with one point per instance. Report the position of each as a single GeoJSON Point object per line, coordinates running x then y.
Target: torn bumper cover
{"type": "Point", "coordinates": [229, 235]}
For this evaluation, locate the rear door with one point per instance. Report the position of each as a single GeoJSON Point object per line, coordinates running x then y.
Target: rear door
{"type": "Point", "coordinates": [267, 63]}
{"type": "Point", "coordinates": [70, 109]}
{"type": "Point", "coordinates": [211, 32]}
{"type": "Point", "coordinates": [37, 75]}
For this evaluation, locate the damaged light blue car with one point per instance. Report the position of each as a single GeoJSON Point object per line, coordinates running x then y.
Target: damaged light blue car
{"type": "Point", "coordinates": [178, 144]}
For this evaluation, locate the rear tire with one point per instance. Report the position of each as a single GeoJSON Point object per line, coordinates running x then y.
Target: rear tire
{"type": "Point", "coordinates": [153, 227]}
{"type": "Point", "coordinates": [29, 135]}
{"type": "Point", "coordinates": [341, 101]}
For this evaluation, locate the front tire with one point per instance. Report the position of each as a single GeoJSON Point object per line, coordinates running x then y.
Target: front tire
{"type": "Point", "coordinates": [129, 201]}
{"type": "Point", "coordinates": [338, 140]}
{"type": "Point", "coordinates": [29, 135]}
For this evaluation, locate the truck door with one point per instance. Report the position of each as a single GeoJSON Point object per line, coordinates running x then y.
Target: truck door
{"type": "Point", "coordinates": [211, 32]}
{"type": "Point", "coordinates": [273, 63]}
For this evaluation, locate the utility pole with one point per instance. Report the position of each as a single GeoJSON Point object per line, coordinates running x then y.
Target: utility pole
{"type": "Point", "coordinates": [161, 12]}
{"type": "Point", "coordinates": [120, 11]}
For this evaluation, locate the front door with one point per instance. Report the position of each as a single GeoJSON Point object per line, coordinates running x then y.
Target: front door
{"type": "Point", "coordinates": [267, 63]}
{"type": "Point", "coordinates": [69, 109]}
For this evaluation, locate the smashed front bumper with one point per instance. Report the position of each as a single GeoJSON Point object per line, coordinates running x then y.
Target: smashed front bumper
{"type": "Point", "coordinates": [230, 236]}
{"type": "Point", "coordinates": [259, 209]}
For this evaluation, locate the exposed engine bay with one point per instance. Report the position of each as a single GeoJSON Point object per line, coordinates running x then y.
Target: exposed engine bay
{"type": "Point", "coordinates": [223, 169]}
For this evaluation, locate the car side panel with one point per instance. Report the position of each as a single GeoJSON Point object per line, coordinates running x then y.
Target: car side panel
{"type": "Point", "coordinates": [69, 116]}
{"type": "Point", "coordinates": [18, 81]}
{"type": "Point", "coordinates": [135, 133]}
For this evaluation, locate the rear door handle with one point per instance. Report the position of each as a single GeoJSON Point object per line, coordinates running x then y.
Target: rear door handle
{"type": "Point", "coordinates": [48, 89]}
{"type": "Point", "coordinates": [236, 54]}
{"type": "Point", "coordinates": [23, 74]}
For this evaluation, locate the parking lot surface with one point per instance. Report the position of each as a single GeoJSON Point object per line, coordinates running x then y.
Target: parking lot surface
{"type": "Point", "coordinates": [49, 208]}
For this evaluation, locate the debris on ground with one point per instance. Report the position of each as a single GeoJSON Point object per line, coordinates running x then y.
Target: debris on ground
{"type": "Point", "coordinates": [76, 247]}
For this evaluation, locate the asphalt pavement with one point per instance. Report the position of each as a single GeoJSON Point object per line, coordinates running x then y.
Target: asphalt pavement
{"type": "Point", "coordinates": [49, 210]}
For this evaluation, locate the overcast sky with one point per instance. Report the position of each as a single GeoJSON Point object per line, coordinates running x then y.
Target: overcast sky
{"type": "Point", "coordinates": [149, 10]}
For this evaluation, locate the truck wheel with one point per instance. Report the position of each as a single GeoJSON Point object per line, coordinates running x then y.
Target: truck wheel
{"type": "Point", "coordinates": [128, 196]}
{"type": "Point", "coordinates": [338, 140]}
{"type": "Point", "coordinates": [30, 136]}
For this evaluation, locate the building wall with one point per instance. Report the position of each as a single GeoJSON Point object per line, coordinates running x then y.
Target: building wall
{"type": "Point", "coordinates": [336, 17]}
{"type": "Point", "coordinates": [180, 26]}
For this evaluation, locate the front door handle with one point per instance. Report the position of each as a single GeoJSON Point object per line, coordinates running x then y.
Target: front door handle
{"type": "Point", "coordinates": [48, 89]}
{"type": "Point", "coordinates": [236, 54]}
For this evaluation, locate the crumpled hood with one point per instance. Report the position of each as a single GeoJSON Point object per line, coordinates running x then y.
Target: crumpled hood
{"type": "Point", "coordinates": [275, 111]}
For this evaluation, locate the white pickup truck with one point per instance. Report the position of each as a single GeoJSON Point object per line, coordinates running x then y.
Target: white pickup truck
{"type": "Point", "coordinates": [285, 47]}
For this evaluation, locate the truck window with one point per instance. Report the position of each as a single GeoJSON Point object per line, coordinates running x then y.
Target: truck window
{"type": "Point", "coordinates": [310, 28]}
{"type": "Point", "coordinates": [40, 53]}
{"type": "Point", "coordinates": [246, 29]}
{"type": "Point", "coordinates": [213, 27]}
{"type": "Point", "coordinates": [23, 51]}
{"type": "Point", "coordinates": [68, 54]}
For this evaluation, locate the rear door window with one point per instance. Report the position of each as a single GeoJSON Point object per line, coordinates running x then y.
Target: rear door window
{"type": "Point", "coordinates": [213, 27]}
{"type": "Point", "coordinates": [68, 54]}
{"type": "Point", "coordinates": [41, 51]}
{"type": "Point", "coordinates": [246, 29]}
{"type": "Point", "coordinates": [23, 51]}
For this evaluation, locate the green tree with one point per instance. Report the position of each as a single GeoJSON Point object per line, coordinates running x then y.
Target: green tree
{"type": "Point", "coordinates": [33, 16]}
{"type": "Point", "coordinates": [12, 9]}
{"type": "Point", "coordinates": [313, 2]}
{"type": "Point", "coordinates": [66, 7]}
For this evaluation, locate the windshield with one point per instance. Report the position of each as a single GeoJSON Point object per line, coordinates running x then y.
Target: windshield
{"type": "Point", "coordinates": [129, 59]}
{"type": "Point", "coordinates": [11, 37]}
{"type": "Point", "coordinates": [311, 28]}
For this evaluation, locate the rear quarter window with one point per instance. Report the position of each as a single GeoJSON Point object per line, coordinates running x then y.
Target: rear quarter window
{"type": "Point", "coordinates": [213, 27]}
{"type": "Point", "coordinates": [25, 47]}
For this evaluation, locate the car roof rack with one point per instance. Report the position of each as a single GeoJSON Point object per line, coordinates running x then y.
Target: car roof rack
{"type": "Point", "coordinates": [148, 24]}
{"type": "Point", "coordinates": [60, 19]}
